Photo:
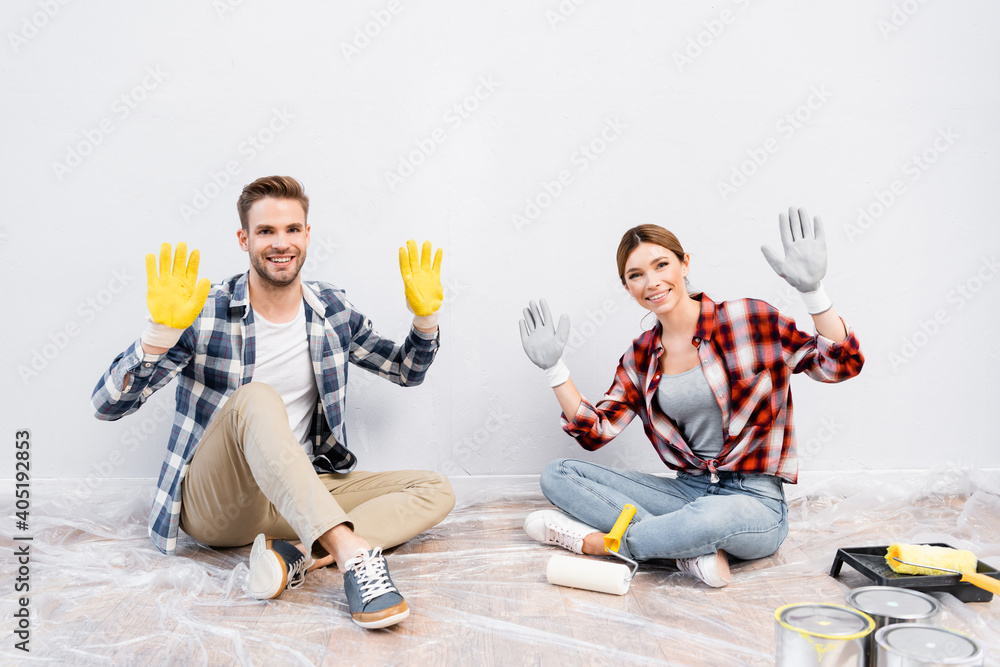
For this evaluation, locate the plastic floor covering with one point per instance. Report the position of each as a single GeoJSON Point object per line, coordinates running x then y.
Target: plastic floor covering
{"type": "Point", "coordinates": [101, 594]}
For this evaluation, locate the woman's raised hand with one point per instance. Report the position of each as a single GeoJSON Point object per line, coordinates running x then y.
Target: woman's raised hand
{"type": "Point", "coordinates": [804, 264]}
{"type": "Point", "coordinates": [544, 342]}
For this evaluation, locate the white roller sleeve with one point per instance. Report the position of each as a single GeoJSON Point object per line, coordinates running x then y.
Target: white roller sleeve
{"type": "Point", "coordinates": [588, 574]}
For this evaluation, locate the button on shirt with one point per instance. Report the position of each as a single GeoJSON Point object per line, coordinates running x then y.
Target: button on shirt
{"type": "Point", "coordinates": [215, 356]}
{"type": "Point", "coordinates": [748, 352]}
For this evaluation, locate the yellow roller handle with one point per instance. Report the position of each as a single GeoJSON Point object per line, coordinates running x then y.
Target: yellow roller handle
{"type": "Point", "coordinates": [981, 580]}
{"type": "Point", "coordinates": [613, 540]}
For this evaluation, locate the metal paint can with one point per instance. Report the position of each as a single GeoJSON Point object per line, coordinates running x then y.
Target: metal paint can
{"type": "Point", "coordinates": [919, 645]}
{"type": "Point", "coordinates": [821, 635]}
{"type": "Point", "coordinates": [892, 605]}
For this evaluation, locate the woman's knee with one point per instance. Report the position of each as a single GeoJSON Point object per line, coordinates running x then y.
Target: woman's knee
{"type": "Point", "coordinates": [760, 533]}
{"type": "Point", "coordinates": [553, 476]}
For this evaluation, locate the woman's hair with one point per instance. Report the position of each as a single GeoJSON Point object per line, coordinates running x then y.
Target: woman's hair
{"type": "Point", "coordinates": [647, 234]}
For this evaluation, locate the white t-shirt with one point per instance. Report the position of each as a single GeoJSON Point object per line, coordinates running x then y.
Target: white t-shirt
{"type": "Point", "coordinates": [282, 360]}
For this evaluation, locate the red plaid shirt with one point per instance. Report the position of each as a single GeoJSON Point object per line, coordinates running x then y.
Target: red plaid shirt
{"type": "Point", "coordinates": [748, 352]}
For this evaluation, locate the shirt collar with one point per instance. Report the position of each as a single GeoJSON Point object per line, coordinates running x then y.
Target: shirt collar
{"type": "Point", "coordinates": [241, 295]}
{"type": "Point", "coordinates": [706, 321]}
{"type": "Point", "coordinates": [703, 331]}
{"type": "Point", "coordinates": [312, 298]}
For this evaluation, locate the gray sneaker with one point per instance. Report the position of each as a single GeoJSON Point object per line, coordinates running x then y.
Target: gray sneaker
{"type": "Point", "coordinates": [371, 596]}
{"type": "Point", "coordinates": [274, 566]}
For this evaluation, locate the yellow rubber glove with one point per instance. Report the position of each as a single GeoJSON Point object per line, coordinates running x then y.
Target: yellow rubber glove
{"type": "Point", "coordinates": [175, 297]}
{"type": "Point", "coordinates": [421, 280]}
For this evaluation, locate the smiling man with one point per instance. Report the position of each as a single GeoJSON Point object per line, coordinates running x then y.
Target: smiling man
{"type": "Point", "coordinates": [258, 451]}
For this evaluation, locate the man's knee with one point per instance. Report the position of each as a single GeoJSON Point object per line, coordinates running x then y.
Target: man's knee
{"type": "Point", "coordinates": [441, 494]}
{"type": "Point", "coordinates": [428, 498]}
{"type": "Point", "coordinates": [255, 393]}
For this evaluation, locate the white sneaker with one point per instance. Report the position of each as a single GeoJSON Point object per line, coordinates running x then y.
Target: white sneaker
{"type": "Point", "coordinates": [713, 569]}
{"type": "Point", "coordinates": [558, 528]}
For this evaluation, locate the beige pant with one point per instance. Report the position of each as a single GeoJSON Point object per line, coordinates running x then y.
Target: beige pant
{"type": "Point", "coordinates": [250, 475]}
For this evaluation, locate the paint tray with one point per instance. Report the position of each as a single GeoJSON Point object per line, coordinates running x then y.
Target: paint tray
{"type": "Point", "coordinates": [870, 561]}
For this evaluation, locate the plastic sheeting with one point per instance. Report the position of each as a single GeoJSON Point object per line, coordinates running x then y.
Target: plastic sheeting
{"type": "Point", "coordinates": [101, 593]}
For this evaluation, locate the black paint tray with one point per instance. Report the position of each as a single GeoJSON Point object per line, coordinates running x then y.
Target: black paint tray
{"type": "Point", "coordinates": [870, 561]}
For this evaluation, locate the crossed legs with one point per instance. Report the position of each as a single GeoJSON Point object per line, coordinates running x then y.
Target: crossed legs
{"type": "Point", "coordinates": [250, 475]}
{"type": "Point", "coordinates": [682, 517]}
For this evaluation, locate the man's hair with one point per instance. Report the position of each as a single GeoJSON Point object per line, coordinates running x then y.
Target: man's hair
{"type": "Point", "coordinates": [276, 187]}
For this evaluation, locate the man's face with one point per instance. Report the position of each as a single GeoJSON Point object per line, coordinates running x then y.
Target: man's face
{"type": "Point", "coordinates": [276, 239]}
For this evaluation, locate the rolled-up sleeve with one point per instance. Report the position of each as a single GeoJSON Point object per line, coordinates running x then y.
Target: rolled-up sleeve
{"type": "Point", "coordinates": [145, 374]}
{"type": "Point", "coordinates": [819, 357]}
{"type": "Point", "coordinates": [404, 364]}
{"type": "Point", "coordinates": [595, 425]}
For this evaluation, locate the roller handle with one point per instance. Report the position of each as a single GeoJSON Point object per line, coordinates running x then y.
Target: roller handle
{"type": "Point", "coordinates": [982, 581]}
{"type": "Point", "coordinates": [613, 540]}
{"type": "Point", "coordinates": [975, 578]}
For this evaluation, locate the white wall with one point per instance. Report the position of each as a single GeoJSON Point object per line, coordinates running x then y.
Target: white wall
{"type": "Point", "coordinates": [887, 81]}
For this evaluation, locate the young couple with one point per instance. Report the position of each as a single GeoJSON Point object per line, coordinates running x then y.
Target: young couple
{"type": "Point", "coordinates": [258, 450]}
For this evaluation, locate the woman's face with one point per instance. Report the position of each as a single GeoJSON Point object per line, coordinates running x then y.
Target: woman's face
{"type": "Point", "coordinates": [655, 277]}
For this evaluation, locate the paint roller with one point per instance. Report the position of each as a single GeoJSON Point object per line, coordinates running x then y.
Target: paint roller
{"type": "Point", "coordinates": [930, 559]}
{"type": "Point", "coordinates": [595, 575]}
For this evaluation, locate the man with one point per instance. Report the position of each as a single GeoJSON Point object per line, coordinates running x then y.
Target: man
{"type": "Point", "coordinates": [258, 450]}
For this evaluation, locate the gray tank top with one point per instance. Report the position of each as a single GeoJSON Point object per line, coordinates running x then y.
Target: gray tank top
{"type": "Point", "coordinates": [689, 402]}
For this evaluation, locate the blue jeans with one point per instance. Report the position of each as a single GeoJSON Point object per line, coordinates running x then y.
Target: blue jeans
{"type": "Point", "coordinates": [745, 515]}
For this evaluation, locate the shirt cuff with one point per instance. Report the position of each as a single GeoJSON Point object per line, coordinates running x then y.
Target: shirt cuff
{"type": "Point", "coordinates": [423, 335]}
{"type": "Point", "coordinates": [579, 424]}
{"type": "Point", "coordinates": [825, 346]}
{"type": "Point", "coordinates": [130, 362]}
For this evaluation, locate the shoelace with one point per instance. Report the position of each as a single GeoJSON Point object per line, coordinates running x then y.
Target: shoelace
{"type": "Point", "coordinates": [297, 572]}
{"type": "Point", "coordinates": [691, 566]}
{"type": "Point", "coordinates": [370, 573]}
{"type": "Point", "coordinates": [563, 537]}
{"type": "Point", "coordinates": [694, 566]}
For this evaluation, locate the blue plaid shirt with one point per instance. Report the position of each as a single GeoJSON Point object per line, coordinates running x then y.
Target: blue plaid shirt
{"type": "Point", "coordinates": [215, 356]}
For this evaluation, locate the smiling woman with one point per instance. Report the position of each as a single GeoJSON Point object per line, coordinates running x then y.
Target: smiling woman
{"type": "Point", "coordinates": [710, 383]}
{"type": "Point", "coordinates": [652, 235]}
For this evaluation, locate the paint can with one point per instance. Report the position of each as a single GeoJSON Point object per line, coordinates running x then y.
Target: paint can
{"type": "Point", "coordinates": [919, 645]}
{"type": "Point", "coordinates": [821, 635]}
{"type": "Point", "coordinates": [892, 605]}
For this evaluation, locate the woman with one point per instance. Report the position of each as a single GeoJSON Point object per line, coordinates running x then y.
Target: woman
{"type": "Point", "coordinates": [710, 383]}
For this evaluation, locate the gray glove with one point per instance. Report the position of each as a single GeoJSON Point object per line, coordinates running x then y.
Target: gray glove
{"type": "Point", "coordinates": [543, 342]}
{"type": "Point", "coordinates": [805, 251]}
{"type": "Point", "coordinates": [805, 258]}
